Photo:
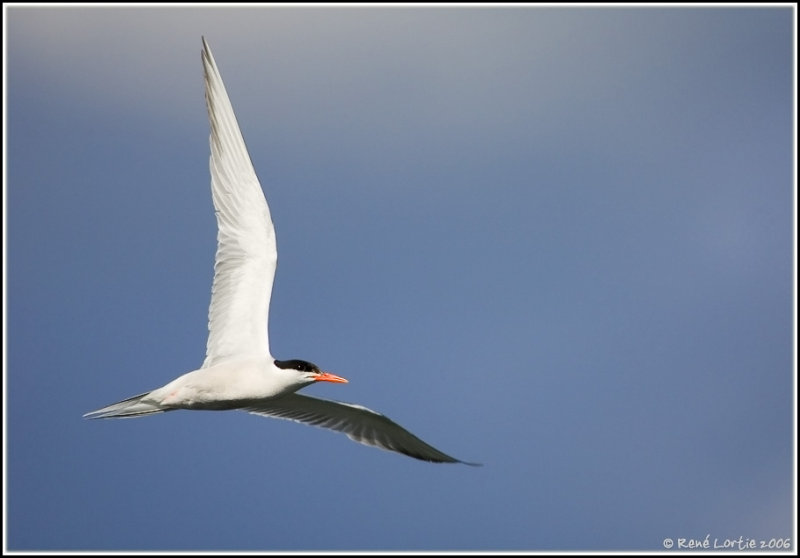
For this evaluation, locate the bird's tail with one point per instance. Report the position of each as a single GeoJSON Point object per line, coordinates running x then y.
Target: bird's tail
{"type": "Point", "coordinates": [129, 408]}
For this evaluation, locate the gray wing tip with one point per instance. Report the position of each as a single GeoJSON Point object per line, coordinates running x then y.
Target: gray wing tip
{"type": "Point", "coordinates": [447, 459]}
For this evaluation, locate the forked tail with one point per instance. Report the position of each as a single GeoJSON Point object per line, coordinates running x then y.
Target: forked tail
{"type": "Point", "coordinates": [132, 407]}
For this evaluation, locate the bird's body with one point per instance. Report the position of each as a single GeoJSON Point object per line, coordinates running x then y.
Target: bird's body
{"type": "Point", "coordinates": [219, 387]}
{"type": "Point", "coordinates": [239, 371]}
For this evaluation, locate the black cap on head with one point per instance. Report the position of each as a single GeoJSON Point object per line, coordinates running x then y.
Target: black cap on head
{"type": "Point", "coordinates": [296, 364]}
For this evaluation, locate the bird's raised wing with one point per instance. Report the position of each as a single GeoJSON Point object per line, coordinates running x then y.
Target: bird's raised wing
{"type": "Point", "coordinates": [244, 267]}
{"type": "Point", "coordinates": [359, 423]}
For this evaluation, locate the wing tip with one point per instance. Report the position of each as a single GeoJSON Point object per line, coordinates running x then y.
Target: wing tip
{"type": "Point", "coordinates": [445, 459]}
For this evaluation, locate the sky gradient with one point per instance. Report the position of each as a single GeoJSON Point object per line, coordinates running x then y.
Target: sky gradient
{"type": "Point", "coordinates": [558, 242]}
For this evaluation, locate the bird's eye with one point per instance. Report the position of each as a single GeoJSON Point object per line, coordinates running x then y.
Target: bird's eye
{"type": "Point", "coordinates": [305, 366]}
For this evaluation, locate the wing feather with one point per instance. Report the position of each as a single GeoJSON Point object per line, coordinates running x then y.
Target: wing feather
{"type": "Point", "coordinates": [359, 423]}
{"type": "Point", "coordinates": [244, 266]}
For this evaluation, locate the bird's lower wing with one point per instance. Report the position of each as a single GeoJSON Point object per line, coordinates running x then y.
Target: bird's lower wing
{"type": "Point", "coordinates": [359, 423]}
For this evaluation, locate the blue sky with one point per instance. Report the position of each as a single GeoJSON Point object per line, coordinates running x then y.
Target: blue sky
{"type": "Point", "coordinates": [555, 241]}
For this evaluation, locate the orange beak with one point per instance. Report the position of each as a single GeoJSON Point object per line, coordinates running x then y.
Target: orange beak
{"type": "Point", "coordinates": [328, 377]}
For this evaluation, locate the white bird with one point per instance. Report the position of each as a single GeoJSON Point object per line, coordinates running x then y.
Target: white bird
{"type": "Point", "coordinates": [239, 371]}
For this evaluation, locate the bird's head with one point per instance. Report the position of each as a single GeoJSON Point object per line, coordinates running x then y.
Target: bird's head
{"type": "Point", "coordinates": [308, 372]}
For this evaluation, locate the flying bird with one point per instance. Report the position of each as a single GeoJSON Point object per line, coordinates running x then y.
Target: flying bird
{"type": "Point", "coordinates": [238, 371]}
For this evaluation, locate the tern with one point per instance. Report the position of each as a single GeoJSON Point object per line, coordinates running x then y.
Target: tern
{"type": "Point", "coordinates": [238, 371]}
